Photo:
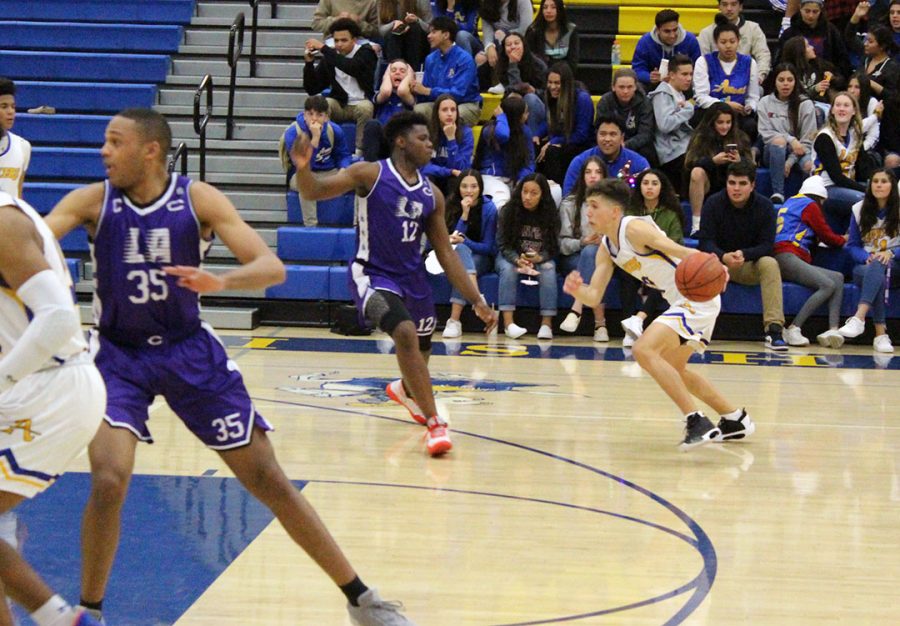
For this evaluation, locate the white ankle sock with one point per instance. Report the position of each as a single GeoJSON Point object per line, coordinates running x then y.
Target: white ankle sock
{"type": "Point", "coordinates": [55, 612]}
{"type": "Point", "coordinates": [695, 223]}
{"type": "Point", "coordinates": [734, 415]}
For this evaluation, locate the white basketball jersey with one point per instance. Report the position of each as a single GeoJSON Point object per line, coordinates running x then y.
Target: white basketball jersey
{"type": "Point", "coordinates": [14, 315]}
{"type": "Point", "coordinates": [15, 154]}
{"type": "Point", "coordinates": [653, 268]}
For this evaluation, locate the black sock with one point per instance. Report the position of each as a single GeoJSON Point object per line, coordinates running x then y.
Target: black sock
{"type": "Point", "coordinates": [96, 606]}
{"type": "Point", "coordinates": [353, 590]}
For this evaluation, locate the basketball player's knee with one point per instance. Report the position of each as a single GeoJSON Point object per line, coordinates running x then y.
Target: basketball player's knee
{"type": "Point", "coordinates": [405, 338]}
{"type": "Point", "coordinates": [643, 353]}
{"type": "Point", "coordinates": [109, 486]}
{"type": "Point", "coordinates": [265, 480]}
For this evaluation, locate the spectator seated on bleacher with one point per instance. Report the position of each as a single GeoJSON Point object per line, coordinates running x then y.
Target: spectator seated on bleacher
{"type": "Point", "coordinates": [528, 240]}
{"type": "Point", "coordinates": [628, 102]}
{"type": "Point", "coordinates": [329, 149]}
{"type": "Point", "coordinates": [653, 196]}
{"type": "Point", "coordinates": [465, 14]}
{"type": "Point", "coordinates": [787, 125]}
{"type": "Point", "coordinates": [472, 224]}
{"type": "Point", "coordinates": [453, 143]}
{"type": "Point", "coordinates": [801, 224]}
{"type": "Point", "coordinates": [870, 108]}
{"type": "Point", "coordinates": [15, 152]}
{"type": "Point", "coordinates": [363, 12]}
{"type": "Point", "coordinates": [346, 72]}
{"type": "Point", "coordinates": [892, 20]}
{"type": "Point", "coordinates": [663, 42]}
{"type": "Point", "coordinates": [877, 63]}
{"type": "Point", "coordinates": [505, 151]}
{"type": "Point", "coordinates": [825, 38]}
{"type": "Point", "coordinates": [836, 150]}
{"type": "Point", "coordinates": [728, 76]}
{"type": "Point", "coordinates": [819, 80]}
{"type": "Point", "coordinates": [873, 243]}
{"type": "Point", "coordinates": [717, 143]}
{"type": "Point", "coordinates": [498, 19]}
{"type": "Point", "coordinates": [889, 134]}
{"type": "Point", "coordinates": [619, 160]}
{"type": "Point", "coordinates": [518, 70]}
{"type": "Point", "coordinates": [448, 69]}
{"type": "Point", "coordinates": [403, 26]}
{"type": "Point", "coordinates": [567, 131]}
{"type": "Point", "coordinates": [738, 226]}
{"type": "Point", "coordinates": [394, 95]}
{"type": "Point", "coordinates": [672, 114]}
{"type": "Point", "coordinates": [552, 37]}
{"type": "Point", "coordinates": [578, 244]}
{"type": "Point", "coordinates": [753, 39]}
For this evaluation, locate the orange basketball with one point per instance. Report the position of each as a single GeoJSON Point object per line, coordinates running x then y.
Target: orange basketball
{"type": "Point", "coordinates": [700, 277]}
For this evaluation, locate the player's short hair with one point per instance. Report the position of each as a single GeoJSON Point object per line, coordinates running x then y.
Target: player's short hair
{"type": "Point", "coordinates": [613, 189]}
{"type": "Point", "coordinates": [665, 16]}
{"type": "Point", "coordinates": [743, 168]}
{"type": "Point", "coordinates": [401, 123]}
{"type": "Point", "coordinates": [7, 87]}
{"type": "Point", "coordinates": [152, 127]}
{"type": "Point", "coordinates": [345, 23]}
{"type": "Point", "coordinates": [319, 104]}
{"type": "Point", "coordinates": [446, 24]}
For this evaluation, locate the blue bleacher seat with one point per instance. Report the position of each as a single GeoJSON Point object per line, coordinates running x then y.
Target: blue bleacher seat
{"type": "Point", "coordinates": [91, 97]}
{"type": "Point", "coordinates": [338, 283]}
{"type": "Point", "coordinates": [94, 37]}
{"type": "Point", "coordinates": [122, 11]}
{"type": "Point", "coordinates": [44, 196]}
{"type": "Point", "coordinates": [300, 243]}
{"type": "Point", "coordinates": [304, 282]}
{"type": "Point", "coordinates": [63, 129]}
{"type": "Point", "coordinates": [84, 66]}
{"type": "Point", "coordinates": [335, 212]}
{"type": "Point", "coordinates": [74, 266]}
{"type": "Point", "coordinates": [78, 163]}
{"type": "Point", "coordinates": [75, 241]}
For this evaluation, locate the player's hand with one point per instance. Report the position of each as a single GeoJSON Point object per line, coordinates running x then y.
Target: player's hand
{"type": "Point", "coordinates": [301, 151]}
{"type": "Point", "coordinates": [487, 315]}
{"type": "Point", "coordinates": [195, 278]}
{"type": "Point", "coordinates": [573, 282]}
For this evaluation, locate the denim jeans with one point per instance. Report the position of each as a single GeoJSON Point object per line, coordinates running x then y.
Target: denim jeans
{"type": "Point", "coordinates": [841, 200]}
{"type": "Point", "coordinates": [774, 157]}
{"type": "Point", "coordinates": [477, 264]}
{"type": "Point", "coordinates": [537, 113]}
{"type": "Point", "coordinates": [871, 279]}
{"type": "Point", "coordinates": [469, 42]}
{"type": "Point", "coordinates": [509, 285]}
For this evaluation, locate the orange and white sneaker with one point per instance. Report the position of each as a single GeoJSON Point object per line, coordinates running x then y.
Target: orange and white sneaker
{"type": "Point", "coordinates": [437, 441]}
{"type": "Point", "coordinates": [397, 393]}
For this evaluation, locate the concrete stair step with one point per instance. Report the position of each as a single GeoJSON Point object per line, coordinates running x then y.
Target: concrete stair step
{"type": "Point", "coordinates": [227, 10]}
{"type": "Point", "coordinates": [271, 38]}
{"type": "Point", "coordinates": [264, 68]}
{"type": "Point", "coordinates": [216, 129]}
{"type": "Point", "coordinates": [217, 146]}
{"type": "Point", "coordinates": [221, 82]}
{"type": "Point", "coordinates": [297, 23]}
{"type": "Point", "coordinates": [285, 116]}
{"type": "Point", "coordinates": [282, 99]}
{"type": "Point", "coordinates": [262, 51]}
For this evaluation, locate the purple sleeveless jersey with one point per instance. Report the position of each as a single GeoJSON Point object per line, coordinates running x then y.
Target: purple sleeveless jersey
{"type": "Point", "coordinates": [135, 302]}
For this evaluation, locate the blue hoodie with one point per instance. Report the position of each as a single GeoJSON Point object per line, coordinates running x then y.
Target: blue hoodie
{"type": "Point", "coordinates": [451, 155]}
{"type": "Point", "coordinates": [452, 73]}
{"type": "Point", "coordinates": [493, 161]}
{"type": "Point", "coordinates": [583, 126]}
{"type": "Point", "coordinates": [487, 245]}
{"type": "Point", "coordinates": [650, 51]}
{"type": "Point", "coordinates": [326, 157]}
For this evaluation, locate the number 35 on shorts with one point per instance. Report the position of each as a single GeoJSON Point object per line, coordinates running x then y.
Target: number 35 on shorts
{"type": "Point", "coordinates": [230, 427]}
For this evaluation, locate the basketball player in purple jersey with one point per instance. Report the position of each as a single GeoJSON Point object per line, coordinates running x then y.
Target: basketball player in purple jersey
{"type": "Point", "coordinates": [398, 206]}
{"type": "Point", "coordinates": [149, 231]}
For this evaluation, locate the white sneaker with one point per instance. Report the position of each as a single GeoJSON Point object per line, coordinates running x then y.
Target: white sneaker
{"type": "Point", "coordinates": [600, 334]}
{"type": "Point", "coordinates": [830, 339]}
{"type": "Point", "coordinates": [854, 327]}
{"type": "Point", "coordinates": [627, 341]}
{"type": "Point", "coordinates": [882, 343]}
{"type": "Point", "coordinates": [497, 89]}
{"type": "Point", "coordinates": [570, 324]}
{"type": "Point", "coordinates": [545, 332]}
{"type": "Point", "coordinates": [633, 327]}
{"type": "Point", "coordinates": [453, 329]}
{"type": "Point", "coordinates": [373, 611]}
{"type": "Point", "coordinates": [794, 336]}
{"type": "Point", "coordinates": [514, 331]}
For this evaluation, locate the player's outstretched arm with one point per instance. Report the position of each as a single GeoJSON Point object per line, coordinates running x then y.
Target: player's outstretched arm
{"type": "Point", "coordinates": [436, 229]}
{"type": "Point", "coordinates": [591, 294]}
{"type": "Point", "coordinates": [53, 319]}
{"type": "Point", "coordinates": [78, 207]}
{"type": "Point", "coordinates": [259, 266]}
{"type": "Point", "coordinates": [358, 177]}
{"type": "Point", "coordinates": [643, 234]}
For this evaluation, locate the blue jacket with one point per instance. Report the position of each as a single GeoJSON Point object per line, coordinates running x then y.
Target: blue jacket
{"type": "Point", "coordinates": [650, 51]}
{"type": "Point", "coordinates": [487, 245]}
{"type": "Point", "coordinates": [451, 155]}
{"type": "Point", "coordinates": [465, 20]}
{"type": "Point", "coordinates": [582, 129]}
{"type": "Point", "coordinates": [326, 156]}
{"type": "Point", "coordinates": [385, 110]}
{"type": "Point", "coordinates": [452, 73]}
{"type": "Point", "coordinates": [493, 161]}
{"type": "Point", "coordinates": [638, 164]}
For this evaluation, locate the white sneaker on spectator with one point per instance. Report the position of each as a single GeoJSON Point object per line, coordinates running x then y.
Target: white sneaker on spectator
{"type": "Point", "coordinates": [853, 327]}
{"type": "Point", "coordinates": [601, 334]}
{"type": "Point", "coordinates": [794, 336]}
{"type": "Point", "coordinates": [830, 339]}
{"type": "Point", "coordinates": [570, 324]}
{"type": "Point", "coordinates": [627, 341]}
{"type": "Point", "coordinates": [497, 89]}
{"type": "Point", "coordinates": [545, 332]}
{"type": "Point", "coordinates": [883, 343]}
{"type": "Point", "coordinates": [452, 329]}
{"type": "Point", "coordinates": [514, 331]}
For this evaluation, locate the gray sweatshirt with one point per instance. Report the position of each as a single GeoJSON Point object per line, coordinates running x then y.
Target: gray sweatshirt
{"type": "Point", "coordinates": [526, 14]}
{"type": "Point", "coordinates": [774, 121]}
{"type": "Point", "coordinates": [673, 130]}
{"type": "Point", "coordinates": [569, 237]}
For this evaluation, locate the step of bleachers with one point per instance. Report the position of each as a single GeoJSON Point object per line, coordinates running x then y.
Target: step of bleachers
{"type": "Point", "coordinates": [121, 11]}
{"type": "Point", "coordinates": [94, 37]}
{"type": "Point", "coordinates": [62, 129]}
{"type": "Point", "coordinates": [84, 66]}
{"type": "Point", "coordinates": [71, 163]}
{"type": "Point", "coordinates": [84, 97]}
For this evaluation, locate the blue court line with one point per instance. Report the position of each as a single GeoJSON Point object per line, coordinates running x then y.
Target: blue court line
{"type": "Point", "coordinates": [701, 585]}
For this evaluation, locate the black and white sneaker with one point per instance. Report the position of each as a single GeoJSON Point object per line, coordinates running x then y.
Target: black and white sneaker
{"type": "Point", "coordinates": [698, 430]}
{"type": "Point", "coordinates": [774, 339]}
{"type": "Point", "coordinates": [741, 428]}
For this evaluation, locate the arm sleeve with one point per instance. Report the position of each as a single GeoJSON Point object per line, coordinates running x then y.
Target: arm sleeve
{"type": "Point", "coordinates": [424, 13]}
{"type": "Point", "coordinates": [765, 234]}
{"type": "Point", "coordinates": [707, 235]}
{"type": "Point", "coordinates": [572, 173]}
{"type": "Point", "coordinates": [313, 80]}
{"type": "Point", "coordinates": [808, 124]}
{"type": "Point", "coordinates": [759, 50]}
{"type": "Point", "coordinates": [644, 137]}
{"type": "Point", "coordinates": [460, 157]}
{"type": "Point", "coordinates": [812, 215]}
{"type": "Point", "coordinates": [668, 117]}
{"type": "Point", "coordinates": [54, 321]}
{"type": "Point", "coordinates": [753, 89]}
{"type": "Point", "coordinates": [572, 56]}
{"type": "Point", "coordinates": [488, 244]}
{"type": "Point", "coordinates": [526, 15]}
{"type": "Point", "coordinates": [855, 243]}
{"type": "Point", "coordinates": [584, 119]}
{"type": "Point", "coordinates": [487, 34]}
{"type": "Point", "coordinates": [568, 243]}
{"type": "Point", "coordinates": [322, 17]}
{"type": "Point", "coordinates": [640, 62]}
{"type": "Point", "coordinates": [701, 84]}
{"type": "Point", "coordinates": [339, 149]}
{"type": "Point", "coordinates": [827, 154]}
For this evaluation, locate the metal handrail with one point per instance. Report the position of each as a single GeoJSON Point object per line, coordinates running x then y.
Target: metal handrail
{"type": "Point", "coordinates": [181, 152]}
{"type": "Point", "coordinates": [200, 123]}
{"type": "Point", "coordinates": [235, 36]}
{"type": "Point", "coordinates": [254, 4]}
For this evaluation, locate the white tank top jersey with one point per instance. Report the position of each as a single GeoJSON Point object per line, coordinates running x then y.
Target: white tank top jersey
{"type": "Point", "coordinates": [653, 268]}
{"type": "Point", "coordinates": [14, 315]}
{"type": "Point", "coordinates": [15, 154]}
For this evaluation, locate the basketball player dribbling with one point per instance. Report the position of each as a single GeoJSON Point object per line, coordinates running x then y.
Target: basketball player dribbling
{"type": "Point", "coordinates": [398, 206]}
{"type": "Point", "coordinates": [642, 249]}
{"type": "Point", "coordinates": [149, 231]}
{"type": "Point", "coordinates": [51, 395]}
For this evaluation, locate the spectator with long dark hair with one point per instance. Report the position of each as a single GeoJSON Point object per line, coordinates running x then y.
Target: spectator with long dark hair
{"type": "Point", "coordinates": [498, 19]}
{"type": "Point", "coordinates": [787, 125]}
{"type": "Point", "coordinates": [820, 79]}
{"type": "Point", "coordinates": [877, 62]}
{"type": "Point", "coordinates": [521, 71]}
{"type": "Point", "coordinates": [627, 101]}
{"type": "Point", "coordinates": [528, 239]}
{"type": "Point", "coordinates": [568, 128]}
{"type": "Point", "coordinates": [452, 140]}
{"type": "Point", "coordinates": [653, 196]}
{"type": "Point", "coordinates": [472, 224]}
{"type": "Point", "coordinates": [835, 152]}
{"type": "Point", "coordinates": [810, 22]}
{"type": "Point", "coordinates": [578, 245]}
{"type": "Point", "coordinates": [873, 243]}
{"type": "Point", "coordinates": [465, 14]}
{"type": "Point", "coordinates": [552, 37]}
{"type": "Point", "coordinates": [505, 152]}
{"type": "Point", "coordinates": [870, 109]}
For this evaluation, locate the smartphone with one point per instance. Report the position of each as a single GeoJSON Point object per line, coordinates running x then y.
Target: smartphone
{"type": "Point", "coordinates": [731, 147]}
